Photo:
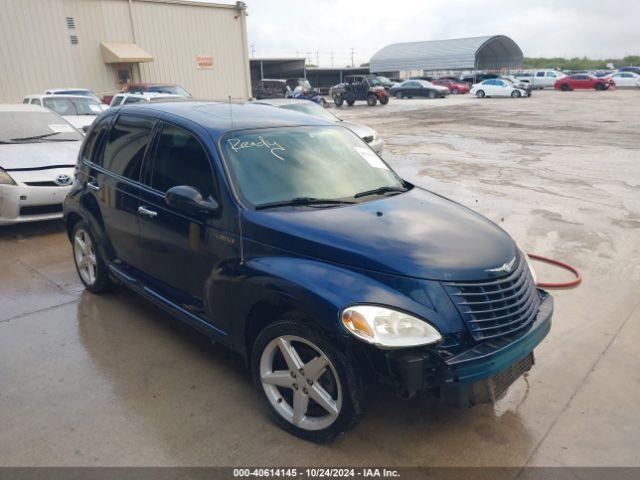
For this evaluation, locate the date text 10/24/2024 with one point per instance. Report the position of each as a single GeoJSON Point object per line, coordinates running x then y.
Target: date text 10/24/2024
{"type": "Point", "coordinates": [315, 473]}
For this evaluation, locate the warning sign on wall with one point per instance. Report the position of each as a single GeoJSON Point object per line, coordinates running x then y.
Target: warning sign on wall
{"type": "Point", "coordinates": [204, 62]}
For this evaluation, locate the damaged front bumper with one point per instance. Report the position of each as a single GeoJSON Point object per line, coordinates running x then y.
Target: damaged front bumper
{"type": "Point", "coordinates": [463, 375]}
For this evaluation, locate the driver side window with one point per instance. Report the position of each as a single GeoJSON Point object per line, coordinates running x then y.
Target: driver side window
{"type": "Point", "coordinates": [181, 160]}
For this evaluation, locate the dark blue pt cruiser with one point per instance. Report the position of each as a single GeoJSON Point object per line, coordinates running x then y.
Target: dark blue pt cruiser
{"type": "Point", "coordinates": [287, 239]}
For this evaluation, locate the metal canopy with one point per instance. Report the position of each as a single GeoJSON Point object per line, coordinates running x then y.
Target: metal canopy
{"type": "Point", "coordinates": [476, 53]}
{"type": "Point", "coordinates": [124, 53]}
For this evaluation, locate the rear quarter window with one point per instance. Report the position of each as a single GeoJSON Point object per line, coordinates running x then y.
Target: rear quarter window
{"type": "Point", "coordinates": [126, 145]}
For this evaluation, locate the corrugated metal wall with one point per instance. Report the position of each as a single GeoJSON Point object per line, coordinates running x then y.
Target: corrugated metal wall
{"type": "Point", "coordinates": [36, 51]}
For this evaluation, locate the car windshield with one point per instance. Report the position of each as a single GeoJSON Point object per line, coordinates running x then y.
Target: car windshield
{"type": "Point", "coordinates": [73, 106]}
{"type": "Point", "coordinates": [85, 93]}
{"type": "Point", "coordinates": [374, 82]}
{"type": "Point", "coordinates": [384, 79]}
{"type": "Point", "coordinates": [33, 127]}
{"type": "Point", "coordinates": [171, 89]}
{"type": "Point", "coordinates": [311, 108]}
{"type": "Point", "coordinates": [278, 165]}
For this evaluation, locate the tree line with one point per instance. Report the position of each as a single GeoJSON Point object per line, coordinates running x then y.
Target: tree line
{"type": "Point", "coordinates": [578, 63]}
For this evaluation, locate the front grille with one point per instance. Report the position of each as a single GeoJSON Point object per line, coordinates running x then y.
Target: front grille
{"type": "Point", "coordinates": [497, 307]}
{"type": "Point", "coordinates": [44, 184]}
{"type": "Point", "coordinates": [368, 138]}
{"type": "Point", "coordinates": [40, 209]}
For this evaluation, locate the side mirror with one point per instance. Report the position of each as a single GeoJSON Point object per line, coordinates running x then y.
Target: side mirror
{"type": "Point", "coordinates": [188, 199]}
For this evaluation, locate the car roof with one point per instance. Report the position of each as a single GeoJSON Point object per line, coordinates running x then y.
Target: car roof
{"type": "Point", "coordinates": [22, 107]}
{"type": "Point", "coordinates": [220, 117]}
{"type": "Point", "coordinates": [40, 95]}
{"type": "Point", "coordinates": [79, 89]}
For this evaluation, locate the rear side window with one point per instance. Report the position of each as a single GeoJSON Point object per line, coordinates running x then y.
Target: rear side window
{"type": "Point", "coordinates": [116, 101]}
{"type": "Point", "coordinates": [92, 147]}
{"type": "Point", "coordinates": [127, 144]}
{"type": "Point", "coordinates": [181, 160]}
{"type": "Point", "coordinates": [134, 99]}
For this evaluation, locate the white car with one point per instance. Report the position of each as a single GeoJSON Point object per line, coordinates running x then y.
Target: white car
{"type": "Point", "coordinates": [38, 154]}
{"type": "Point", "coordinates": [79, 110]}
{"type": "Point", "coordinates": [498, 87]}
{"type": "Point", "coordinates": [84, 92]}
{"type": "Point", "coordinates": [127, 98]}
{"type": "Point", "coordinates": [625, 79]}
{"type": "Point", "coordinates": [540, 79]}
{"type": "Point", "coordinates": [368, 134]}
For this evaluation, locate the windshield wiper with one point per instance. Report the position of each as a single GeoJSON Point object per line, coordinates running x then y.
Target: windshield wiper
{"type": "Point", "coordinates": [36, 137]}
{"type": "Point", "coordinates": [380, 191]}
{"type": "Point", "coordinates": [303, 201]}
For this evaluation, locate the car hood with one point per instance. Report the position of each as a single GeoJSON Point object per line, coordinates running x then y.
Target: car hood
{"type": "Point", "coordinates": [359, 129]}
{"type": "Point", "coordinates": [37, 155]}
{"type": "Point", "coordinates": [417, 234]}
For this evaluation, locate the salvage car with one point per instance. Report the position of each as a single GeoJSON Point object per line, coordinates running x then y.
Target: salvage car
{"type": "Point", "coordinates": [419, 88]}
{"type": "Point", "coordinates": [287, 239]}
{"type": "Point", "coordinates": [368, 134]}
{"type": "Point", "coordinates": [453, 86]}
{"type": "Point", "coordinates": [499, 87]}
{"type": "Point", "coordinates": [583, 81]}
{"type": "Point", "coordinates": [38, 152]}
{"type": "Point", "coordinates": [359, 87]}
{"type": "Point", "coordinates": [79, 110]}
{"type": "Point", "coordinates": [625, 79]}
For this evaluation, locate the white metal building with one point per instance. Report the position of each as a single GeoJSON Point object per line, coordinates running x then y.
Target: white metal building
{"type": "Point", "coordinates": [101, 44]}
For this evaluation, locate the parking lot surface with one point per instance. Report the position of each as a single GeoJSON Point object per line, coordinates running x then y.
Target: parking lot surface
{"type": "Point", "coordinates": [112, 380]}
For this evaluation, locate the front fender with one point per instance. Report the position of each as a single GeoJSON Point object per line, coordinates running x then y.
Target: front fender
{"type": "Point", "coordinates": [322, 290]}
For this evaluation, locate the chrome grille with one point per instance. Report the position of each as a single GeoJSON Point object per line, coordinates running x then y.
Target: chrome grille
{"type": "Point", "coordinates": [499, 306]}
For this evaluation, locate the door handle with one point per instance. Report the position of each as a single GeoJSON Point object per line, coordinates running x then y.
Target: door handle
{"type": "Point", "coordinates": [93, 186]}
{"type": "Point", "coordinates": [146, 212]}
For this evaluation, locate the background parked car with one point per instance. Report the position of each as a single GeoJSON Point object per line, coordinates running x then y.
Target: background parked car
{"type": "Point", "coordinates": [387, 83]}
{"type": "Point", "coordinates": [477, 78]}
{"type": "Point", "coordinates": [540, 79]}
{"type": "Point", "coordinates": [85, 92]}
{"type": "Point", "coordinates": [126, 98]}
{"type": "Point", "coordinates": [80, 110]}
{"type": "Point", "coordinates": [453, 86]}
{"type": "Point", "coordinates": [582, 81]}
{"type": "Point", "coordinates": [368, 134]}
{"type": "Point", "coordinates": [419, 88]}
{"type": "Point", "coordinates": [625, 79]}
{"type": "Point", "coordinates": [498, 87]}
{"type": "Point", "coordinates": [166, 88]}
{"type": "Point", "coordinates": [270, 88]}
{"type": "Point", "coordinates": [630, 69]}
{"type": "Point", "coordinates": [38, 154]}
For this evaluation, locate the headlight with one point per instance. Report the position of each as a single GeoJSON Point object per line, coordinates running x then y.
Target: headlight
{"type": "Point", "coordinates": [5, 178]}
{"type": "Point", "coordinates": [388, 328]}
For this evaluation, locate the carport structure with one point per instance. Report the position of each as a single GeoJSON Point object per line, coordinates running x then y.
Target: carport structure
{"type": "Point", "coordinates": [475, 53]}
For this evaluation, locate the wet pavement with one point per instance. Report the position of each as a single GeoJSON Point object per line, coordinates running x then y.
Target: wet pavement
{"type": "Point", "coordinates": [112, 380]}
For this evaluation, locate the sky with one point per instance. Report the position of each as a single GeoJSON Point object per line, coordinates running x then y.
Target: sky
{"type": "Point", "coordinates": [569, 28]}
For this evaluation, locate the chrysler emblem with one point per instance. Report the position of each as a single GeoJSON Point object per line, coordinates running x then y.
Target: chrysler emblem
{"type": "Point", "coordinates": [62, 179]}
{"type": "Point", "coordinates": [506, 268]}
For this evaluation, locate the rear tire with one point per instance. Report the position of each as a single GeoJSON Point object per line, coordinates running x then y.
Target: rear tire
{"type": "Point", "coordinates": [384, 100]}
{"type": "Point", "coordinates": [313, 405]}
{"type": "Point", "coordinates": [371, 100]}
{"type": "Point", "coordinates": [91, 268]}
{"type": "Point", "coordinates": [480, 94]}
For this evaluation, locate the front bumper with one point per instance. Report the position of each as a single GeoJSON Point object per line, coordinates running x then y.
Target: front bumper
{"type": "Point", "coordinates": [21, 203]}
{"type": "Point", "coordinates": [417, 370]}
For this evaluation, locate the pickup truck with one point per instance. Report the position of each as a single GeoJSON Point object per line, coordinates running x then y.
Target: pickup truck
{"type": "Point", "coordinates": [541, 79]}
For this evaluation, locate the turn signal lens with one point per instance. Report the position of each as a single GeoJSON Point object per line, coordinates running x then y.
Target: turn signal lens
{"type": "Point", "coordinates": [5, 178]}
{"type": "Point", "coordinates": [388, 328]}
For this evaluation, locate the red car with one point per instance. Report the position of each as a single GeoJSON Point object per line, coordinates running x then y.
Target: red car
{"type": "Point", "coordinates": [454, 87]}
{"type": "Point", "coordinates": [583, 81]}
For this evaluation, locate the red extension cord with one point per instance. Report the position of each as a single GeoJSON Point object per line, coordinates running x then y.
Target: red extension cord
{"type": "Point", "coordinates": [571, 283]}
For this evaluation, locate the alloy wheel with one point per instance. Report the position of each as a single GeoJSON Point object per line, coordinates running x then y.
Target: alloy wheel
{"type": "Point", "coordinates": [300, 382]}
{"type": "Point", "coordinates": [85, 256]}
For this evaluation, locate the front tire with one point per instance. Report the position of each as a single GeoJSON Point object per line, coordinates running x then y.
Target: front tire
{"type": "Point", "coordinates": [338, 100]}
{"type": "Point", "coordinates": [516, 94]}
{"type": "Point", "coordinates": [564, 87]}
{"type": "Point", "coordinates": [399, 95]}
{"type": "Point", "coordinates": [90, 267]}
{"type": "Point", "coordinates": [480, 94]}
{"type": "Point", "coordinates": [455, 91]}
{"type": "Point", "coordinates": [384, 100]}
{"type": "Point", "coordinates": [371, 100]}
{"type": "Point", "coordinates": [432, 94]}
{"type": "Point", "coordinates": [310, 386]}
